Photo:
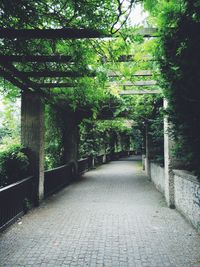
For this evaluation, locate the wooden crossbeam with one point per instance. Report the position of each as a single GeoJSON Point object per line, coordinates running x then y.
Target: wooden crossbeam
{"type": "Point", "coordinates": [55, 58]}
{"type": "Point", "coordinates": [36, 58]}
{"type": "Point", "coordinates": [139, 92]}
{"type": "Point", "coordinates": [19, 79]}
{"type": "Point", "coordinates": [46, 73]}
{"type": "Point", "coordinates": [137, 83]}
{"type": "Point", "coordinates": [130, 58]}
{"type": "Point", "coordinates": [138, 73]}
{"type": "Point", "coordinates": [141, 83]}
{"type": "Point", "coordinates": [147, 32]}
{"type": "Point", "coordinates": [20, 75]}
{"type": "Point", "coordinates": [56, 85]}
{"type": "Point", "coordinates": [66, 33]}
{"type": "Point", "coordinates": [9, 77]}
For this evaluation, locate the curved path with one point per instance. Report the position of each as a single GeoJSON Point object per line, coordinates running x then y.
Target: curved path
{"type": "Point", "coordinates": [112, 217]}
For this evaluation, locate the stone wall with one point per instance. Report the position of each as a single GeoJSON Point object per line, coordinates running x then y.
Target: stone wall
{"type": "Point", "coordinates": [187, 196]}
{"type": "Point", "coordinates": [186, 192]}
{"type": "Point", "coordinates": [158, 176]}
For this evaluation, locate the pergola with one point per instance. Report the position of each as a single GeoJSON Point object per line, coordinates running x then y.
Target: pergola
{"type": "Point", "coordinates": [32, 110]}
{"type": "Point", "coordinates": [23, 79]}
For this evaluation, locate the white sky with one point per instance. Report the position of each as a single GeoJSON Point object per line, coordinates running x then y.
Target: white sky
{"type": "Point", "coordinates": [138, 15]}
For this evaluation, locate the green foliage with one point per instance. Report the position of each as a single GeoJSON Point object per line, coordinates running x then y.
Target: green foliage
{"type": "Point", "coordinates": [147, 114]}
{"type": "Point", "coordinates": [178, 54]}
{"type": "Point", "coordinates": [10, 121]}
{"type": "Point", "coordinates": [90, 96]}
{"type": "Point", "coordinates": [14, 165]}
{"type": "Point", "coordinates": [9, 125]}
{"type": "Point", "coordinates": [53, 138]}
{"type": "Point", "coordinates": [59, 13]}
{"type": "Point", "coordinates": [100, 137]}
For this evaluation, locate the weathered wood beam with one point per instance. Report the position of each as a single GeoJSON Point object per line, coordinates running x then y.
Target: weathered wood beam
{"type": "Point", "coordinates": [143, 73]}
{"type": "Point", "coordinates": [137, 83]}
{"type": "Point", "coordinates": [129, 58]}
{"type": "Point", "coordinates": [147, 32]}
{"type": "Point", "coordinates": [56, 85]}
{"type": "Point", "coordinates": [10, 78]}
{"type": "Point", "coordinates": [138, 73]}
{"type": "Point", "coordinates": [20, 75]}
{"type": "Point", "coordinates": [46, 73]}
{"type": "Point", "coordinates": [13, 75]}
{"type": "Point", "coordinates": [66, 33]}
{"type": "Point", "coordinates": [141, 83]}
{"type": "Point", "coordinates": [39, 59]}
{"type": "Point", "coordinates": [139, 92]}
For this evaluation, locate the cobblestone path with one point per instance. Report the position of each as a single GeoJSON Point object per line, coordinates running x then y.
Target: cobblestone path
{"type": "Point", "coordinates": [112, 217]}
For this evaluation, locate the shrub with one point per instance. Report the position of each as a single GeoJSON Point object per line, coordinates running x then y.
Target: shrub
{"type": "Point", "coordinates": [14, 165]}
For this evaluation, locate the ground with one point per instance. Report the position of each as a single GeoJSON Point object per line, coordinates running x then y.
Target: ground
{"type": "Point", "coordinates": [112, 217]}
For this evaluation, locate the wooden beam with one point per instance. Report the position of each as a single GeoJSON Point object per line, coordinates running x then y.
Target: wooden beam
{"type": "Point", "coordinates": [141, 83]}
{"type": "Point", "coordinates": [137, 83]}
{"type": "Point", "coordinates": [147, 32]}
{"type": "Point", "coordinates": [20, 75]}
{"type": "Point", "coordinates": [46, 73]}
{"type": "Point", "coordinates": [13, 75]}
{"type": "Point", "coordinates": [127, 58]}
{"type": "Point", "coordinates": [139, 92]}
{"type": "Point", "coordinates": [40, 58]}
{"type": "Point", "coordinates": [142, 73]}
{"type": "Point", "coordinates": [66, 33]}
{"type": "Point", "coordinates": [10, 78]}
{"type": "Point", "coordinates": [56, 85]}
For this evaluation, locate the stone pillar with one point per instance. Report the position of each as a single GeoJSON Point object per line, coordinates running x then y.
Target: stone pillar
{"type": "Point", "coordinates": [168, 159]}
{"type": "Point", "coordinates": [32, 137]}
{"type": "Point", "coordinates": [147, 156]}
{"type": "Point", "coordinates": [70, 138]}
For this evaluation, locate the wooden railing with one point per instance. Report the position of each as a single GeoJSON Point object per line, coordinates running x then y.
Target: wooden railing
{"type": "Point", "coordinates": [84, 165]}
{"type": "Point", "coordinates": [57, 178]}
{"type": "Point", "coordinates": [99, 159]}
{"type": "Point", "coordinates": [14, 201]}
{"type": "Point", "coordinates": [16, 198]}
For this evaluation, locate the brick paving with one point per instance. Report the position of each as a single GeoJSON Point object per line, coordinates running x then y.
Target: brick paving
{"type": "Point", "coordinates": [112, 217]}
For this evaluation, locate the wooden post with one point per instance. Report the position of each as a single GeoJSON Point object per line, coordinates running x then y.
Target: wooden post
{"type": "Point", "coordinates": [168, 159]}
{"type": "Point", "coordinates": [32, 137]}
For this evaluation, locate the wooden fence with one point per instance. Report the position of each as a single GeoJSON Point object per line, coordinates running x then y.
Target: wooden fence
{"type": "Point", "coordinates": [14, 201]}
{"type": "Point", "coordinates": [17, 198]}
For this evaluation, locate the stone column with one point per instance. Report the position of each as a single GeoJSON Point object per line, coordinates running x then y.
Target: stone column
{"type": "Point", "coordinates": [168, 160]}
{"type": "Point", "coordinates": [32, 137]}
{"type": "Point", "coordinates": [147, 156]}
{"type": "Point", "coordinates": [70, 137]}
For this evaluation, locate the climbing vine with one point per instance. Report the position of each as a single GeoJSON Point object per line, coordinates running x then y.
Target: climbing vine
{"type": "Point", "coordinates": [178, 56]}
{"type": "Point", "coordinates": [93, 93]}
{"type": "Point", "coordinates": [104, 137]}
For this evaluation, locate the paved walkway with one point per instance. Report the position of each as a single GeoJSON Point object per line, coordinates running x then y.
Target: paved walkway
{"type": "Point", "coordinates": [112, 217]}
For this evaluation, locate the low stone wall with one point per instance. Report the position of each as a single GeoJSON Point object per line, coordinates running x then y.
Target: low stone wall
{"type": "Point", "coordinates": [158, 176]}
{"type": "Point", "coordinates": [187, 196]}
